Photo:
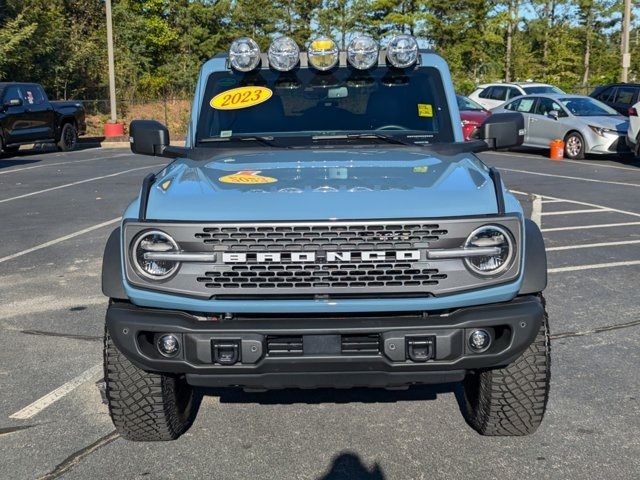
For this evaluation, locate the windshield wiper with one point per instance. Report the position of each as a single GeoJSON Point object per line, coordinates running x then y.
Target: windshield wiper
{"type": "Point", "coordinates": [267, 141]}
{"type": "Point", "coordinates": [362, 136]}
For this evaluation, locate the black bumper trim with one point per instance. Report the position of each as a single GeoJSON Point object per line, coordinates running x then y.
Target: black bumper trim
{"type": "Point", "coordinates": [521, 318]}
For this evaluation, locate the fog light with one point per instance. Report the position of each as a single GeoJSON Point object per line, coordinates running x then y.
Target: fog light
{"type": "Point", "coordinates": [479, 340]}
{"type": "Point", "coordinates": [168, 345]}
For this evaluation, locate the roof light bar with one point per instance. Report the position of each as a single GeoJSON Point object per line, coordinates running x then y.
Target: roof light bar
{"type": "Point", "coordinates": [244, 54]}
{"type": "Point", "coordinates": [362, 52]}
{"type": "Point", "coordinates": [284, 54]}
{"type": "Point", "coordinates": [323, 54]}
{"type": "Point", "coordinates": [402, 51]}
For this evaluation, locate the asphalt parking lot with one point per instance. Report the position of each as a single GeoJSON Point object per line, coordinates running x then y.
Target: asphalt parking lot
{"type": "Point", "coordinates": [57, 210]}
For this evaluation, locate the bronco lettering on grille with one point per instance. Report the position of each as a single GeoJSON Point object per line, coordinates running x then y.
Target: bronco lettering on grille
{"type": "Point", "coordinates": [305, 257]}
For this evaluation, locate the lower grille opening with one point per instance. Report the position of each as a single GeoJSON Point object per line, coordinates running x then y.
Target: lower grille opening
{"type": "Point", "coordinates": [284, 346]}
{"type": "Point", "coordinates": [361, 344]}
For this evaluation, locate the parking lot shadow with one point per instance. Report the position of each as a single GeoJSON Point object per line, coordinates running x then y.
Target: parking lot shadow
{"type": "Point", "coordinates": [328, 395]}
{"type": "Point", "coordinates": [349, 466]}
{"type": "Point", "coordinates": [14, 162]}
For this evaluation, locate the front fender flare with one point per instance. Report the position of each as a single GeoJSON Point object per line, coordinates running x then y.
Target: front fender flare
{"type": "Point", "coordinates": [535, 261]}
{"type": "Point", "coordinates": [112, 268]}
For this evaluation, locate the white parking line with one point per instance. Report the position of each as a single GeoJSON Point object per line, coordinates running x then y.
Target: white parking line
{"type": "Point", "coordinates": [544, 197]}
{"type": "Point", "coordinates": [594, 266]}
{"type": "Point", "coordinates": [590, 164]}
{"type": "Point", "coordinates": [573, 212]}
{"type": "Point", "coordinates": [21, 169]}
{"type": "Point", "coordinates": [571, 178]}
{"type": "Point", "coordinates": [60, 239]}
{"type": "Point", "coordinates": [554, 201]}
{"type": "Point", "coordinates": [536, 210]}
{"type": "Point", "coordinates": [36, 407]}
{"type": "Point", "coordinates": [79, 182]}
{"type": "Point", "coordinates": [586, 227]}
{"type": "Point", "coordinates": [593, 245]}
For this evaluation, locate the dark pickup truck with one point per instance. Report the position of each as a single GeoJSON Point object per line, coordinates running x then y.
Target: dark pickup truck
{"type": "Point", "coordinates": [27, 116]}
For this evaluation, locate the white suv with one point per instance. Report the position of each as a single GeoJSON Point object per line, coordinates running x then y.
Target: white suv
{"type": "Point", "coordinates": [492, 95]}
{"type": "Point", "coordinates": [634, 129]}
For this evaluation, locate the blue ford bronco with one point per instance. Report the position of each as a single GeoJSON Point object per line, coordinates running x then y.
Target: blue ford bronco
{"type": "Point", "coordinates": [325, 225]}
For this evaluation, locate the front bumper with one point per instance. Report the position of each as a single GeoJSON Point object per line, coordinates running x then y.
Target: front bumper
{"type": "Point", "coordinates": [607, 144]}
{"type": "Point", "coordinates": [321, 358]}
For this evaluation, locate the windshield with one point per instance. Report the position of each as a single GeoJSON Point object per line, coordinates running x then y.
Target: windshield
{"type": "Point", "coordinates": [541, 89]}
{"type": "Point", "coordinates": [587, 107]}
{"type": "Point", "coordinates": [308, 105]}
{"type": "Point", "coordinates": [468, 105]}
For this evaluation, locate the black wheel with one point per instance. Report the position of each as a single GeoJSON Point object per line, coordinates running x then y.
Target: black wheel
{"type": "Point", "coordinates": [68, 137]}
{"type": "Point", "coordinates": [511, 401]}
{"type": "Point", "coordinates": [574, 146]}
{"type": "Point", "coordinates": [146, 406]}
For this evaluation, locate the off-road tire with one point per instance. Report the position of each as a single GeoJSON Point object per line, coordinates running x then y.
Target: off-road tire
{"type": "Point", "coordinates": [511, 401]}
{"type": "Point", "coordinates": [68, 138]}
{"type": "Point", "coordinates": [145, 406]}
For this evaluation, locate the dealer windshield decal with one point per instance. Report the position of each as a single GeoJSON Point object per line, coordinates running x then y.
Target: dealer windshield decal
{"type": "Point", "coordinates": [241, 97]}
{"type": "Point", "coordinates": [247, 177]}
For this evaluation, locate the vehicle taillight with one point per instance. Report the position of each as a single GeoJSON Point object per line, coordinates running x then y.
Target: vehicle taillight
{"type": "Point", "coordinates": [633, 112]}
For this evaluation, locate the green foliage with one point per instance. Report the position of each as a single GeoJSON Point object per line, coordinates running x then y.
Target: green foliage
{"type": "Point", "coordinates": [161, 44]}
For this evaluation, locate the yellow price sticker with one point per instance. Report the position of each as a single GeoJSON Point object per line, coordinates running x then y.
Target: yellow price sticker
{"type": "Point", "coordinates": [241, 97]}
{"type": "Point", "coordinates": [425, 110]}
{"type": "Point", "coordinates": [247, 177]}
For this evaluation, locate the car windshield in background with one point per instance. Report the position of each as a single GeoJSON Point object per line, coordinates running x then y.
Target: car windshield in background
{"type": "Point", "coordinates": [542, 89]}
{"type": "Point", "coordinates": [587, 107]}
{"type": "Point", "coordinates": [468, 105]}
{"type": "Point", "coordinates": [410, 106]}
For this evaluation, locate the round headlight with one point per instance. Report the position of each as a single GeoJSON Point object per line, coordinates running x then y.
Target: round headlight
{"type": "Point", "coordinates": [244, 54]}
{"type": "Point", "coordinates": [283, 54]}
{"type": "Point", "coordinates": [402, 51]}
{"type": "Point", "coordinates": [323, 54]}
{"type": "Point", "coordinates": [486, 237]}
{"type": "Point", "coordinates": [145, 246]}
{"type": "Point", "coordinates": [362, 52]}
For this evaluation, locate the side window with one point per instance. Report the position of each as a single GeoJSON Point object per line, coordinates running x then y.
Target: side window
{"type": "Point", "coordinates": [607, 94]}
{"type": "Point", "coordinates": [12, 93]}
{"type": "Point", "coordinates": [625, 95]}
{"type": "Point", "coordinates": [513, 92]}
{"type": "Point", "coordinates": [33, 95]}
{"type": "Point", "coordinates": [499, 93]}
{"type": "Point", "coordinates": [486, 93]}
{"type": "Point", "coordinates": [513, 105]}
{"type": "Point", "coordinates": [546, 105]}
{"type": "Point", "coordinates": [526, 105]}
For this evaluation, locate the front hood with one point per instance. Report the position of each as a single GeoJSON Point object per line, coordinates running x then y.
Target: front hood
{"type": "Point", "coordinates": [322, 184]}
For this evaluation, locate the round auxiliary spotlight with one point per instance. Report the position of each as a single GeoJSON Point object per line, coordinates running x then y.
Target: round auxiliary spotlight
{"type": "Point", "coordinates": [168, 345]}
{"type": "Point", "coordinates": [402, 51]}
{"type": "Point", "coordinates": [284, 54]}
{"type": "Point", "coordinates": [362, 52]}
{"type": "Point", "coordinates": [244, 54]}
{"type": "Point", "coordinates": [323, 54]}
{"type": "Point", "coordinates": [479, 340]}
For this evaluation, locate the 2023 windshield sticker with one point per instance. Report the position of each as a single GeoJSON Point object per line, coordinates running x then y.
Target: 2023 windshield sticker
{"type": "Point", "coordinates": [241, 97]}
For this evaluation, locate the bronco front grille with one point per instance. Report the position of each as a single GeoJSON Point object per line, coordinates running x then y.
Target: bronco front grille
{"type": "Point", "coordinates": [323, 259]}
{"type": "Point", "coordinates": [302, 237]}
{"type": "Point", "coordinates": [320, 276]}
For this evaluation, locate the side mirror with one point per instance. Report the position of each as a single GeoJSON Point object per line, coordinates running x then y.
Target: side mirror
{"type": "Point", "coordinates": [148, 137]}
{"type": "Point", "coordinates": [14, 102]}
{"type": "Point", "coordinates": [554, 114]}
{"type": "Point", "coordinates": [502, 130]}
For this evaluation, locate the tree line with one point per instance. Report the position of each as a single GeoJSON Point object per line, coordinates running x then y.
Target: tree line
{"type": "Point", "coordinates": [160, 44]}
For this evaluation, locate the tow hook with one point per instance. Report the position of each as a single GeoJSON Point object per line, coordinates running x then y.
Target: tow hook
{"type": "Point", "coordinates": [226, 352]}
{"type": "Point", "coordinates": [420, 349]}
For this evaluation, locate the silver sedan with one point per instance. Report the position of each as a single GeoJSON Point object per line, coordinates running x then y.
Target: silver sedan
{"type": "Point", "coordinates": [585, 124]}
